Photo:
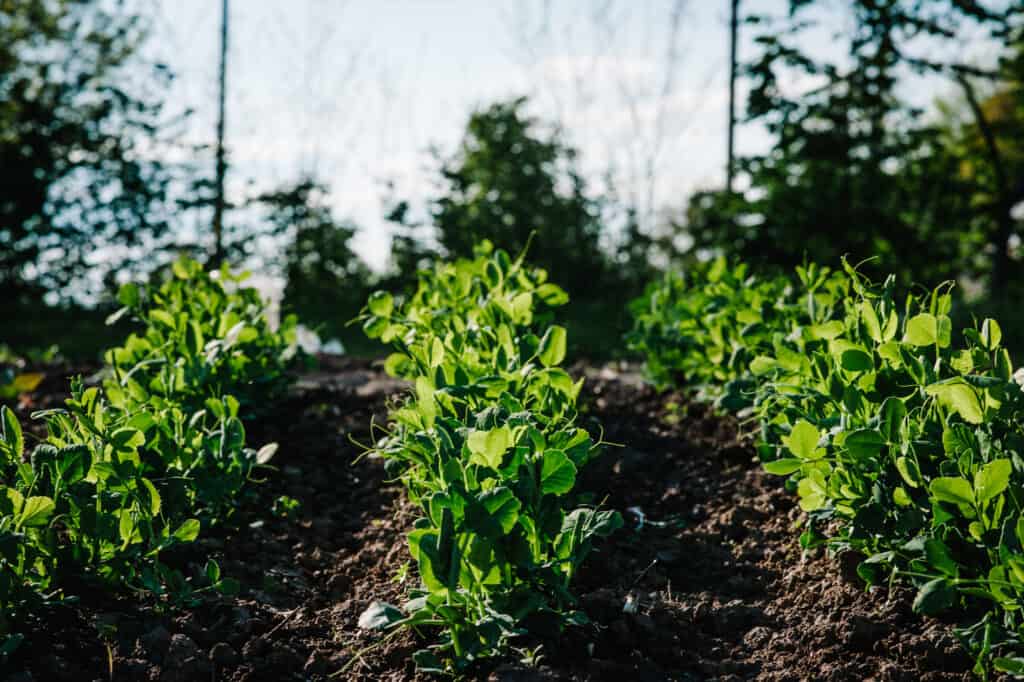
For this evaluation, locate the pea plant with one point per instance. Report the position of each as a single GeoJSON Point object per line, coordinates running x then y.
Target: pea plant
{"type": "Point", "coordinates": [130, 469]}
{"type": "Point", "coordinates": [902, 440]}
{"type": "Point", "coordinates": [205, 335]}
{"type": "Point", "coordinates": [703, 328]}
{"type": "Point", "coordinates": [488, 448]}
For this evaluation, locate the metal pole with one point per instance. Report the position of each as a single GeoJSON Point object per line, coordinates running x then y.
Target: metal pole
{"type": "Point", "coordinates": [222, 166]}
{"type": "Point", "coordinates": [730, 152]}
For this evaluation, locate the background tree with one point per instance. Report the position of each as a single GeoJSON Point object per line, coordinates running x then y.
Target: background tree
{"type": "Point", "coordinates": [326, 283]}
{"type": "Point", "coordinates": [986, 134]}
{"type": "Point", "coordinates": [507, 180]}
{"type": "Point", "coordinates": [854, 167]}
{"type": "Point", "coordinates": [78, 118]}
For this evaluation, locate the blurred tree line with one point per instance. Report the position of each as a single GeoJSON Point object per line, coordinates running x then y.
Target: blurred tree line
{"type": "Point", "coordinates": [855, 168]}
{"type": "Point", "coordinates": [858, 169]}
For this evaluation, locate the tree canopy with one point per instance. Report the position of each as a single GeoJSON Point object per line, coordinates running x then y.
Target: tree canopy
{"type": "Point", "coordinates": [77, 125]}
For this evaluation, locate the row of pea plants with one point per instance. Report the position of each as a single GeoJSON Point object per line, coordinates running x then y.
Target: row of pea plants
{"type": "Point", "coordinates": [131, 468]}
{"type": "Point", "coordinates": [488, 448]}
{"type": "Point", "coordinates": [902, 438]}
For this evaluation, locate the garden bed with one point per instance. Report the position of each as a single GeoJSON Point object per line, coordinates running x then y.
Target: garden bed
{"type": "Point", "coordinates": [709, 563]}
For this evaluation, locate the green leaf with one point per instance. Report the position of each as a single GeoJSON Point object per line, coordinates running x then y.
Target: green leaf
{"type": "Point", "coordinates": [128, 295]}
{"type": "Point", "coordinates": [935, 596]}
{"type": "Point", "coordinates": [212, 571]}
{"type": "Point", "coordinates": [163, 317]}
{"type": "Point", "coordinates": [552, 294]}
{"type": "Point", "coordinates": [436, 352]}
{"type": "Point", "coordinates": [552, 346]}
{"type": "Point", "coordinates": [36, 512]}
{"type": "Point", "coordinates": [940, 558]}
{"type": "Point", "coordinates": [803, 441]}
{"type": "Point", "coordinates": [783, 467]}
{"type": "Point", "coordinates": [909, 471]}
{"type": "Point", "coordinates": [826, 331]}
{"type": "Point", "coordinates": [187, 531]}
{"type": "Point", "coordinates": [12, 435]}
{"type": "Point", "coordinates": [959, 397]}
{"type": "Point", "coordinates": [945, 331]}
{"type": "Point", "coordinates": [396, 365]}
{"type": "Point", "coordinates": [952, 489]}
{"type": "Point", "coordinates": [890, 352]}
{"type": "Point", "coordinates": [380, 303]}
{"type": "Point", "coordinates": [126, 527]}
{"type": "Point", "coordinates": [557, 474]}
{"type": "Point", "coordinates": [762, 364]}
{"type": "Point", "coordinates": [492, 273]}
{"type": "Point", "coordinates": [522, 307]}
{"type": "Point", "coordinates": [992, 479]}
{"type": "Point", "coordinates": [892, 413]}
{"type": "Point", "coordinates": [13, 500]}
{"type": "Point", "coordinates": [73, 463]}
{"type": "Point", "coordinates": [229, 587]}
{"type": "Point", "coordinates": [864, 443]}
{"type": "Point", "coordinates": [870, 319]}
{"type": "Point", "coordinates": [126, 439]}
{"type": "Point", "coordinates": [892, 324]}
{"type": "Point", "coordinates": [425, 401]}
{"type": "Point", "coordinates": [154, 496]}
{"type": "Point", "coordinates": [488, 447]}
{"type": "Point", "coordinates": [502, 506]}
{"type": "Point", "coordinates": [812, 491]}
{"type": "Point", "coordinates": [1013, 665]}
{"type": "Point", "coordinates": [181, 268]}
{"type": "Point", "coordinates": [856, 360]}
{"type": "Point", "coordinates": [921, 330]}
{"type": "Point", "coordinates": [194, 339]}
{"type": "Point", "coordinates": [374, 326]}
{"type": "Point", "coordinates": [991, 334]}
{"type": "Point", "coordinates": [962, 362]}
{"type": "Point", "coordinates": [428, 663]}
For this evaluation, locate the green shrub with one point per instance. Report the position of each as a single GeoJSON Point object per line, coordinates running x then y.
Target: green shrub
{"type": "Point", "coordinates": [902, 439]}
{"type": "Point", "coordinates": [131, 469]}
{"type": "Point", "coordinates": [204, 336]}
{"type": "Point", "coordinates": [488, 448]}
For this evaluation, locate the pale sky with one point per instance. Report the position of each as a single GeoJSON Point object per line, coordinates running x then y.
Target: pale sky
{"type": "Point", "coordinates": [358, 91]}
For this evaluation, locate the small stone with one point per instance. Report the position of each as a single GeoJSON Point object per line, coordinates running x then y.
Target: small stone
{"type": "Point", "coordinates": [223, 655]}
{"type": "Point", "coordinates": [254, 648]}
{"type": "Point", "coordinates": [338, 584]}
{"type": "Point", "coordinates": [184, 662]}
{"type": "Point", "coordinates": [180, 651]}
{"type": "Point", "coordinates": [863, 633]}
{"type": "Point", "coordinates": [317, 663]}
{"type": "Point", "coordinates": [156, 642]}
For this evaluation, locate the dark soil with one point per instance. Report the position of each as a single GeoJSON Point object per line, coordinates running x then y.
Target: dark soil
{"type": "Point", "coordinates": [716, 584]}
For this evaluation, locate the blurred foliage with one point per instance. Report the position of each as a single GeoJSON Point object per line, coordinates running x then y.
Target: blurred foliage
{"type": "Point", "coordinates": [74, 120]}
{"type": "Point", "coordinates": [325, 280]}
{"type": "Point", "coordinates": [508, 181]}
{"type": "Point", "coordinates": [515, 184]}
{"type": "Point", "coordinates": [854, 169]}
{"type": "Point", "coordinates": [80, 334]}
